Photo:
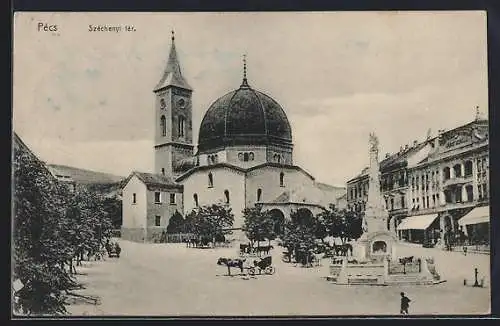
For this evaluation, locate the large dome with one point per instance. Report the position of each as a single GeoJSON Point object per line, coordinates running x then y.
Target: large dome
{"type": "Point", "coordinates": [244, 117]}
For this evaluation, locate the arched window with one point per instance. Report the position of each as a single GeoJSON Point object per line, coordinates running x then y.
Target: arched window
{"type": "Point", "coordinates": [226, 194]}
{"type": "Point", "coordinates": [216, 158]}
{"type": "Point", "coordinates": [279, 158]}
{"type": "Point", "coordinates": [210, 180]}
{"type": "Point", "coordinates": [282, 177]}
{"type": "Point", "coordinates": [446, 173]}
{"type": "Point", "coordinates": [163, 126]}
{"type": "Point", "coordinates": [245, 157]}
{"type": "Point", "coordinates": [195, 198]}
{"type": "Point", "coordinates": [240, 156]}
{"type": "Point", "coordinates": [163, 171]}
{"type": "Point", "coordinates": [181, 126]}
{"type": "Point", "coordinates": [259, 194]}
{"type": "Point", "coordinates": [250, 156]}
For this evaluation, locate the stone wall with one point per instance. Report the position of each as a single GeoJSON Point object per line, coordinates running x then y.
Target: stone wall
{"type": "Point", "coordinates": [132, 234]}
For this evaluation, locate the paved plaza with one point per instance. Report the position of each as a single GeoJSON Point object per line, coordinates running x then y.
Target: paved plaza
{"type": "Point", "coordinates": [172, 280]}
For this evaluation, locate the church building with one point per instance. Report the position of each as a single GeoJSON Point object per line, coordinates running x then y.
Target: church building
{"type": "Point", "coordinates": [244, 158]}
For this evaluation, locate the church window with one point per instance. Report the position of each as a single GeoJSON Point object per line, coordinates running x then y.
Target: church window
{"type": "Point", "coordinates": [134, 198]}
{"type": "Point", "coordinates": [245, 157]}
{"type": "Point", "coordinates": [240, 156]}
{"type": "Point", "coordinates": [172, 199]}
{"type": "Point", "coordinates": [282, 177]}
{"type": "Point", "coordinates": [157, 197]}
{"type": "Point", "coordinates": [195, 198]}
{"type": "Point", "coordinates": [226, 194]}
{"type": "Point", "coordinates": [157, 220]}
{"type": "Point", "coordinates": [181, 126]}
{"type": "Point", "coordinates": [250, 156]}
{"type": "Point", "coordinates": [163, 126]}
{"type": "Point", "coordinates": [163, 171]}
{"type": "Point", "coordinates": [210, 180]}
{"type": "Point", "coordinates": [259, 194]}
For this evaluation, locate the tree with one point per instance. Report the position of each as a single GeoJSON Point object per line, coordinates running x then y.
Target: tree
{"type": "Point", "coordinates": [176, 223]}
{"type": "Point", "coordinates": [51, 226]}
{"type": "Point", "coordinates": [39, 219]}
{"type": "Point", "coordinates": [258, 225]}
{"type": "Point", "coordinates": [300, 232]}
{"type": "Point", "coordinates": [210, 221]}
{"type": "Point", "coordinates": [341, 224]}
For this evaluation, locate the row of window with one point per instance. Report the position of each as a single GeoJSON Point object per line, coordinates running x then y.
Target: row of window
{"type": "Point", "coordinates": [212, 159]}
{"type": "Point", "coordinates": [246, 156]}
{"type": "Point", "coordinates": [181, 122]}
{"type": "Point", "coordinates": [211, 180]}
{"type": "Point", "coordinates": [157, 198]}
{"type": "Point", "coordinates": [226, 196]}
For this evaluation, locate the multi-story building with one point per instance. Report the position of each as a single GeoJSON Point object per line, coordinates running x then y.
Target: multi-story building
{"type": "Point", "coordinates": [438, 185]}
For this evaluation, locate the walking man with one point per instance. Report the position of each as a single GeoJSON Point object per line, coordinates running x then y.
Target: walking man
{"type": "Point", "coordinates": [405, 304]}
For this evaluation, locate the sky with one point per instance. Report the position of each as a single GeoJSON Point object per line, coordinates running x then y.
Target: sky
{"type": "Point", "coordinates": [85, 98]}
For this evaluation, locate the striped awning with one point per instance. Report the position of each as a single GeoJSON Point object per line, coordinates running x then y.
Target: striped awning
{"type": "Point", "coordinates": [476, 216]}
{"type": "Point", "coordinates": [419, 222]}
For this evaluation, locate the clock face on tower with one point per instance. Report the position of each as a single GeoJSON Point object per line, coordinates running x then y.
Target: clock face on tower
{"type": "Point", "coordinates": [181, 103]}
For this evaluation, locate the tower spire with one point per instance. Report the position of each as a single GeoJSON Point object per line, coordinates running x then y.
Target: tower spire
{"type": "Point", "coordinates": [172, 75]}
{"type": "Point", "coordinates": [245, 82]}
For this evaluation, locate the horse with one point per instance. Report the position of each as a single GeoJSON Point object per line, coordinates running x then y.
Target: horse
{"type": "Point", "coordinates": [231, 262]}
{"type": "Point", "coordinates": [343, 249]}
{"type": "Point", "coordinates": [406, 260]}
{"type": "Point", "coordinates": [264, 249]}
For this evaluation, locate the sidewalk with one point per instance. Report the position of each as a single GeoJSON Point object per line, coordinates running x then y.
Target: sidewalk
{"type": "Point", "coordinates": [483, 250]}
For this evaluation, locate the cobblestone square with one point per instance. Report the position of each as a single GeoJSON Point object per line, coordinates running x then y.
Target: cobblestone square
{"type": "Point", "coordinates": [172, 280]}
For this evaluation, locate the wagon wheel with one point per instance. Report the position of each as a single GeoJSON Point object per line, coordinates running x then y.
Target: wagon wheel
{"type": "Point", "coordinates": [251, 271]}
{"type": "Point", "coordinates": [270, 270]}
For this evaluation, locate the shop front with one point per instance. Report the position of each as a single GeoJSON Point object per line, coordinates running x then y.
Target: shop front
{"type": "Point", "coordinates": [476, 225]}
{"type": "Point", "coordinates": [422, 229]}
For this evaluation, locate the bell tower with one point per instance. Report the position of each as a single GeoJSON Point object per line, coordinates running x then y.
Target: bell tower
{"type": "Point", "coordinates": [173, 119]}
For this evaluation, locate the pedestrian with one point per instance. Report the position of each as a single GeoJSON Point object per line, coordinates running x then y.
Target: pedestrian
{"type": "Point", "coordinates": [405, 304]}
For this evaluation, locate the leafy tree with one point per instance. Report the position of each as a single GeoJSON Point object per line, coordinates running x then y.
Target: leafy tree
{"type": "Point", "coordinates": [51, 226]}
{"type": "Point", "coordinates": [341, 224]}
{"type": "Point", "coordinates": [113, 208]}
{"type": "Point", "coordinates": [210, 221]}
{"type": "Point", "coordinates": [39, 216]}
{"type": "Point", "coordinates": [300, 232]}
{"type": "Point", "coordinates": [176, 223]}
{"type": "Point", "coordinates": [258, 225]}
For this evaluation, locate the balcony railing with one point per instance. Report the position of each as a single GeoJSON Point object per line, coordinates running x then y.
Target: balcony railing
{"type": "Point", "coordinates": [457, 180]}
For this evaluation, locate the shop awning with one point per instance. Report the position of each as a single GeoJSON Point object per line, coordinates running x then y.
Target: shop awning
{"type": "Point", "coordinates": [419, 222]}
{"type": "Point", "coordinates": [476, 216]}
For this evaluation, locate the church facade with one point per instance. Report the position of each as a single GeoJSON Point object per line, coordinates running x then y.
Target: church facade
{"type": "Point", "coordinates": [244, 158]}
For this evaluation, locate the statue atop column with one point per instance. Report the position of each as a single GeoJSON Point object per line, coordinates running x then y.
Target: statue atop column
{"type": "Point", "coordinates": [375, 213]}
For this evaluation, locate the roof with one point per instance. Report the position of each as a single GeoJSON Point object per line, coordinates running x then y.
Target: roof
{"type": "Point", "coordinates": [243, 170]}
{"type": "Point", "coordinates": [155, 181]}
{"type": "Point", "coordinates": [244, 117]}
{"type": "Point", "coordinates": [320, 194]}
{"type": "Point", "coordinates": [172, 76]}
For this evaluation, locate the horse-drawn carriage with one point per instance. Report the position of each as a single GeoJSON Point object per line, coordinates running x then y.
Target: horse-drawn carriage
{"type": "Point", "coordinates": [113, 249]}
{"type": "Point", "coordinates": [262, 265]}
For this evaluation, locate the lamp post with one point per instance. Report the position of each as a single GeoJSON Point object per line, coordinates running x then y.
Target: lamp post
{"type": "Point", "coordinates": [476, 284]}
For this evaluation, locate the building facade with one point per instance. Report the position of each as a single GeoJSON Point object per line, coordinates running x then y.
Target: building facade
{"type": "Point", "coordinates": [433, 187]}
{"type": "Point", "coordinates": [244, 158]}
